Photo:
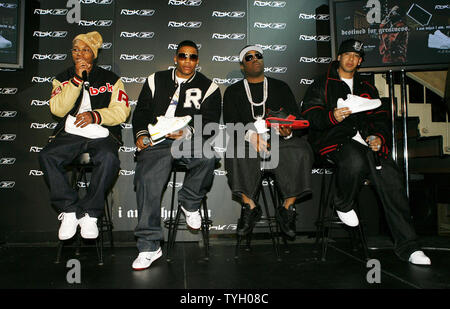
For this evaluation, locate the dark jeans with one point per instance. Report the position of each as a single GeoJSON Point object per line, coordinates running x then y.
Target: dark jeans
{"type": "Point", "coordinates": [153, 168]}
{"type": "Point", "coordinates": [355, 163]}
{"type": "Point", "coordinates": [62, 151]}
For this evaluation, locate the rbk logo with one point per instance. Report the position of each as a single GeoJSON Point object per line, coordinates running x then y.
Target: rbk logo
{"type": "Point", "coordinates": [225, 58]}
{"type": "Point", "coordinates": [8, 90]}
{"type": "Point", "coordinates": [318, 38]}
{"type": "Point", "coordinates": [276, 26]}
{"type": "Point", "coordinates": [278, 70]}
{"type": "Point", "coordinates": [51, 125]}
{"type": "Point", "coordinates": [107, 67]}
{"type": "Point", "coordinates": [185, 2]}
{"type": "Point", "coordinates": [305, 81]}
{"type": "Point", "coordinates": [97, 23]}
{"type": "Point", "coordinates": [126, 173]}
{"type": "Point", "coordinates": [126, 125]}
{"type": "Point", "coordinates": [96, 1]}
{"type": "Point", "coordinates": [106, 45]}
{"type": "Point", "coordinates": [185, 24]}
{"type": "Point", "coordinates": [35, 173]}
{"type": "Point", "coordinates": [50, 11]}
{"type": "Point", "coordinates": [273, 47]}
{"type": "Point", "coordinates": [228, 36]}
{"type": "Point", "coordinates": [142, 57]}
{"type": "Point", "coordinates": [7, 137]}
{"type": "Point", "coordinates": [7, 161]}
{"type": "Point", "coordinates": [272, 4]}
{"type": "Point", "coordinates": [314, 16]}
{"type": "Point", "coordinates": [39, 103]}
{"type": "Point", "coordinates": [234, 14]}
{"type": "Point", "coordinates": [127, 149]}
{"type": "Point", "coordinates": [139, 35]}
{"type": "Point", "coordinates": [128, 80]}
{"type": "Point", "coordinates": [175, 46]}
{"type": "Point", "coordinates": [54, 57]}
{"type": "Point", "coordinates": [50, 34]}
{"type": "Point", "coordinates": [7, 184]}
{"type": "Point", "coordinates": [35, 149]}
{"type": "Point", "coordinates": [220, 173]}
{"type": "Point", "coordinates": [229, 81]}
{"type": "Point", "coordinates": [38, 79]}
{"type": "Point", "coordinates": [315, 59]}
{"type": "Point", "coordinates": [95, 91]}
{"type": "Point", "coordinates": [8, 5]}
{"type": "Point", "coordinates": [8, 114]}
{"type": "Point", "coordinates": [144, 12]}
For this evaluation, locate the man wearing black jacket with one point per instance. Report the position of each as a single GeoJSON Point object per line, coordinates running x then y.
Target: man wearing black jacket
{"type": "Point", "coordinates": [169, 96]}
{"type": "Point", "coordinates": [91, 111]}
{"type": "Point", "coordinates": [357, 142]}
{"type": "Point", "coordinates": [248, 103]}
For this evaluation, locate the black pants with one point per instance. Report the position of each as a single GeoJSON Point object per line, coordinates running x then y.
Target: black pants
{"type": "Point", "coordinates": [292, 171]}
{"type": "Point", "coordinates": [61, 152]}
{"type": "Point", "coordinates": [355, 163]}
{"type": "Point", "coordinates": [153, 168]}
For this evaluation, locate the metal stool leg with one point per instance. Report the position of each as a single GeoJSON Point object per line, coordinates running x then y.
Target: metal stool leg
{"type": "Point", "coordinates": [172, 226]}
{"type": "Point", "coordinates": [269, 220]}
{"type": "Point", "coordinates": [205, 228]}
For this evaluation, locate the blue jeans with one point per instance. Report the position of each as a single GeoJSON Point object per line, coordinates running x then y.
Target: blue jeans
{"type": "Point", "coordinates": [153, 168]}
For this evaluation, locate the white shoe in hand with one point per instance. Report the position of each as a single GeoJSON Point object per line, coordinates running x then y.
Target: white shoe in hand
{"type": "Point", "coordinates": [358, 104]}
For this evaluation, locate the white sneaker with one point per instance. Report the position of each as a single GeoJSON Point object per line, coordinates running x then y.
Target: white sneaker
{"type": "Point", "coordinates": [89, 229]}
{"type": "Point", "coordinates": [438, 40]}
{"type": "Point", "coordinates": [91, 131]}
{"type": "Point", "coordinates": [4, 43]}
{"type": "Point", "coordinates": [349, 218]}
{"type": "Point", "coordinates": [419, 258]}
{"type": "Point", "coordinates": [68, 226]}
{"type": "Point", "coordinates": [193, 218]}
{"type": "Point", "coordinates": [358, 104]}
{"type": "Point", "coordinates": [145, 259]}
{"type": "Point", "coordinates": [166, 125]}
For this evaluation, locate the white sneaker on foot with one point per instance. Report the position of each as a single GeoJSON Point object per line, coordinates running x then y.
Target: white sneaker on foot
{"type": "Point", "coordinates": [419, 258]}
{"type": "Point", "coordinates": [167, 125]}
{"type": "Point", "coordinates": [193, 218]}
{"type": "Point", "coordinates": [89, 229]}
{"type": "Point", "coordinates": [145, 259]}
{"type": "Point", "coordinates": [68, 226]}
{"type": "Point", "coordinates": [358, 104]}
{"type": "Point", "coordinates": [349, 218]}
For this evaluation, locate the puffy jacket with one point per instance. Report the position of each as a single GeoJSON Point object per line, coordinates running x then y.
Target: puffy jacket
{"type": "Point", "coordinates": [326, 134]}
{"type": "Point", "coordinates": [157, 93]}
{"type": "Point", "coordinates": [109, 101]}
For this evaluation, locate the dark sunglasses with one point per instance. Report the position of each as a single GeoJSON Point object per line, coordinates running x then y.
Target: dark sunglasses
{"type": "Point", "coordinates": [250, 57]}
{"type": "Point", "coordinates": [184, 56]}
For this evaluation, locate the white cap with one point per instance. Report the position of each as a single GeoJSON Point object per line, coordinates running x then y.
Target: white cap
{"type": "Point", "coordinates": [248, 48]}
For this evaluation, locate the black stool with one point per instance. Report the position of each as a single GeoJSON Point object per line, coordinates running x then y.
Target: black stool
{"type": "Point", "coordinates": [326, 221]}
{"type": "Point", "coordinates": [79, 168]}
{"type": "Point", "coordinates": [175, 224]}
{"type": "Point", "coordinates": [267, 217]}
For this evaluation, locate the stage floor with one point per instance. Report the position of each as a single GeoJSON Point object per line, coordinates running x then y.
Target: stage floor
{"type": "Point", "coordinates": [33, 267]}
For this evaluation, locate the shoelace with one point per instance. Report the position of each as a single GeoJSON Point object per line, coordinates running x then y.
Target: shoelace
{"type": "Point", "coordinates": [61, 216]}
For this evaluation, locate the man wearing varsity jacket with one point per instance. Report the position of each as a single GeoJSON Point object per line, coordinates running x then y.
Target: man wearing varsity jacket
{"type": "Point", "coordinates": [356, 139]}
{"type": "Point", "coordinates": [171, 96]}
{"type": "Point", "coordinates": [91, 110]}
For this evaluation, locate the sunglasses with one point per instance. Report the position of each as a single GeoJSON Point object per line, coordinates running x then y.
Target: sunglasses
{"type": "Point", "coordinates": [184, 56]}
{"type": "Point", "coordinates": [250, 57]}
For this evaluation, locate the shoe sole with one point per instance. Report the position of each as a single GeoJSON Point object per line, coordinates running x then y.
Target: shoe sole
{"type": "Point", "coordinates": [151, 262]}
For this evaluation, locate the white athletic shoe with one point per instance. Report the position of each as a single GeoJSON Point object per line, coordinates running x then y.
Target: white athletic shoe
{"type": "Point", "coordinates": [4, 43]}
{"type": "Point", "coordinates": [419, 258]}
{"type": "Point", "coordinates": [349, 218]}
{"type": "Point", "coordinates": [358, 104]}
{"type": "Point", "coordinates": [166, 125]}
{"type": "Point", "coordinates": [438, 40]}
{"type": "Point", "coordinates": [68, 226]}
{"type": "Point", "coordinates": [193, 218]}
{"type": "Point", "coordinates": [92, 130]}
{"type": "Point", "coordinates": [89, 229]}
{"type": "Point", "coordinates": [145, 259]}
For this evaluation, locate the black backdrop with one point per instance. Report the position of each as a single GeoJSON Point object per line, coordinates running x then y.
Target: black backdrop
{"type": "Point", "coordinates": [139, 38]}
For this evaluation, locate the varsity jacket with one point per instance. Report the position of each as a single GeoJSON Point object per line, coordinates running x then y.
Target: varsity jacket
{"type": "Point", "coordinates": [109, 101]}
{"type": "Point", "coordinates": [326, 134]}
{"type": "Point", "coordinates": [198, 96]}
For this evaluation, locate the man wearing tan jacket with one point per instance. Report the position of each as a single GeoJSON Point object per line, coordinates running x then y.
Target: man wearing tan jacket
{"type": "Point", "coordinates": [91, 103]}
